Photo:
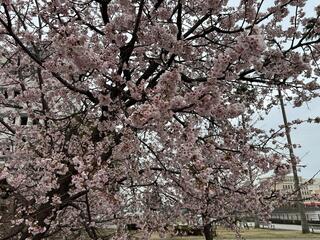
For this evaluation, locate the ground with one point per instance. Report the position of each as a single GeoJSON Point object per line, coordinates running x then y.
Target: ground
{"type": "Point", "coordinates": [224, 234]}
{"type": "Point", "coordinates": [256, 234]}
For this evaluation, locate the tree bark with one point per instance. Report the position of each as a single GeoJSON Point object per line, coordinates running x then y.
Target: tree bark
{"type": "Point", "coordinates": [256, 221]}
{"type": "Point", "coordinates": [208, 231]}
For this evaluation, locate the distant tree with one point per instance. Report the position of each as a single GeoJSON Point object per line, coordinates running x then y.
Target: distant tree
{"type": "Point", "coordinates": [143, 110]}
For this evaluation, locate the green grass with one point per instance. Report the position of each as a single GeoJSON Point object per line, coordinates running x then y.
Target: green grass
{"type": "Point", "coordinates": [266, 234]}
{"type": "Point", "coordinates": [225, 234]}
{"type": "Point", "coordinates": [254, 234]}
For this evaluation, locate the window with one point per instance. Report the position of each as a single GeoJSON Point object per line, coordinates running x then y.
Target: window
{"type": "Point", "coordinates": [35, 121]}
{"type": "Point", "coordinates": [5, 94]}
{"type": "Point", "coordinates": [23, 120]}
{"type": "Point", "coordinates": [3, 207]}
{"type": "Point", "coordinates": [16, 92]}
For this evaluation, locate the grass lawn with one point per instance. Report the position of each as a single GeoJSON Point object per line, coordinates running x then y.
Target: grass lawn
{"type": "Point", "coordinates": [255, 234]}
{"type": "Point", "coordinates": [225, 234]}
{"type": "Point", "coordinates": [267, 234]}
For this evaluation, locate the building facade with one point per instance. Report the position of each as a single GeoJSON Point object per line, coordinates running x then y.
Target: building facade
{"type": "Point", "coordinates": [307, 188]}
{"type": "Point", "coordinates": [310, 190]}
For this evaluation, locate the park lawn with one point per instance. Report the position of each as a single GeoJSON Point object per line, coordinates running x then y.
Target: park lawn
{"type": "Point", "coordinates": [225, 234]}
{"type": "Point", "coordinates": [254, 234]}
{"type": "Point", "coordinates": [266, 234]}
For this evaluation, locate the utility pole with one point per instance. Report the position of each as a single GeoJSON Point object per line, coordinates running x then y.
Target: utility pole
{"type": "Point", "coordinates": [293, 161]}
{"type": "Point", "coordinates": [256, 216]}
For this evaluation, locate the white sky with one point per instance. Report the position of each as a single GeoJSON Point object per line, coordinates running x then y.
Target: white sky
{"type": "Point", "coordinates": [307, 134]}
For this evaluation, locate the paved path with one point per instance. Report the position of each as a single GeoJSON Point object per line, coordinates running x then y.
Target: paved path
{"type": "Point", "coordinates": [290, 227]}
{"type": "Point", "coordinates": [287, 227]}
{"type": "Point", "coordinates": [283, 227]}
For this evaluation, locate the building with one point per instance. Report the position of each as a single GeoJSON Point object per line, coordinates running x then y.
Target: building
{"type": "Point", "coordinates": [310, 190]}
{"type": "Point", "coordinates": [292, 215]}
{"type": "Point", "coordinates": [307, 188]}
{"type": "Point", "coordinates": [12, 115]}
{"type": "Point", "coordinates": [314, 187]}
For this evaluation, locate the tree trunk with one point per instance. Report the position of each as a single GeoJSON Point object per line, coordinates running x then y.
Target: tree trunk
{"type": "Point", "coordinates": [293, 161]}
{"type": "Point", "coordinates": [256, 222]}
{"type": "Point", "coordinates": [208, 231]}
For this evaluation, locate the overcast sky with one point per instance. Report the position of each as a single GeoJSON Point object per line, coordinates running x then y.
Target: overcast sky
{"type": "Point", "coordinates": [306, 134]}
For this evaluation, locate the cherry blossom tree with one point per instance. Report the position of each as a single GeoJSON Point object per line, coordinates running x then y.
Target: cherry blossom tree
{"type": "Point", "coordinates": [140, 111]}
